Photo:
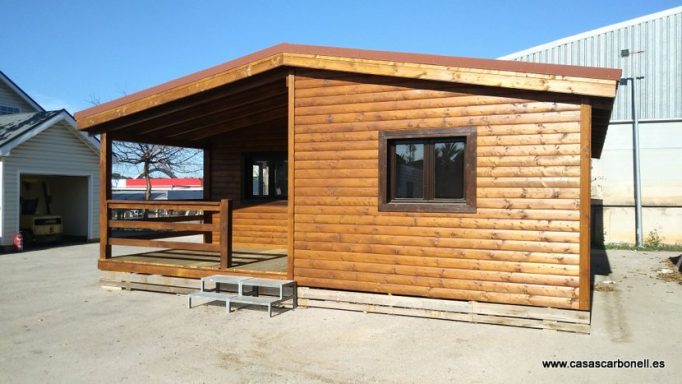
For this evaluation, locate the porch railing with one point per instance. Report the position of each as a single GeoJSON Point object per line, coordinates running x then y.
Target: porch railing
{"type": "Point", "coordinates": [215, 217]}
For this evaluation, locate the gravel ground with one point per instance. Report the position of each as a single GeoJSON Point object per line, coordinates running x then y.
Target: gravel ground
{"type": "Point", "coordinates": [58, 326]}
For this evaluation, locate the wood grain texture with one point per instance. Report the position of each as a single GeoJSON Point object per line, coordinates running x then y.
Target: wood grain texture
{"type": "Point", "coordinates": [471, 311]}
{"type": "Point", "coordinates": [165, 244]}
{"type": "Point", "coordinates": [522, 245]}
{"type": "Point", "coordinates": [118, 265]}
{"type": "Point", "coordinates": [272, 60]}
{"type": "Point", "coordinates": [104, 195]}
{"type": "Point", "coordinates": [254, 224]}
{"type": "Point", "coordinates": [585, 205]}
{"type": "Point", "coordinates": [463, 75]}
{"type": "Point", "coordinates": [291, 173]}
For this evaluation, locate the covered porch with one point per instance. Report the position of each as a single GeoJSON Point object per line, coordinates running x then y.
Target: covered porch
{"type": "Point", "coordinates": [241, 226]}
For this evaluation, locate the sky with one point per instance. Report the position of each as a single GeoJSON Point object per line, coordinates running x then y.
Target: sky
{"type": "Point", "coordinates": [66, 54]}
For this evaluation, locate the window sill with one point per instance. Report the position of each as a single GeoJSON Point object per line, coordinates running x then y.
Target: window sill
{"type": "Point", "coordinates": [263, 201]}
{"type": "Point", "coordinates": [427, 207]}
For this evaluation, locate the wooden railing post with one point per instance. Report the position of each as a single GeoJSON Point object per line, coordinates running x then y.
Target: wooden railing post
{"type": "Point", "coordinates": [225, 233]}
{"type": "Point", "coordinates": [206, 184]}
{"type": "Point", "coordinates": [208, 219]}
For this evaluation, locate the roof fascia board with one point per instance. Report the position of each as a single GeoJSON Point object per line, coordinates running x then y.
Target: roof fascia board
{"type": "Point", "coordinates": [474, 76]}
{"type": "Point", "coordinates": [200, 85]}
{"type": "Point", "coordinates": [17, 90]}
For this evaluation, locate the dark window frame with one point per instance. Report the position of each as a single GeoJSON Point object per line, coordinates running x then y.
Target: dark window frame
{"type": "Point", "coordinates": [388, 203]}
{"type": "Point", "coordinates": [247, 175]}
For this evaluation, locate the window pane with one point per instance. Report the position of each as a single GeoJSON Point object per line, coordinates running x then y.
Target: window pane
{"type": "Point", "coordinates": [266, 176]}
{"type": "Point", "coordinates": [256, 180]}
{"type": "Point", "coordinates": [449, 175]}
{"type": "Point", "coordinates": [409, 170]}
{"type": "Point", "coordinates": [261, 170]}
{"type": "Point", "coordinates": [281, 170]}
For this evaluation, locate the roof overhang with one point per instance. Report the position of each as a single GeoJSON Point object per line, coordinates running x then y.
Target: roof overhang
{"type": "Point", "coordinates": [61, 116]}
{"type": "Point", "coordinates": [585, 81]}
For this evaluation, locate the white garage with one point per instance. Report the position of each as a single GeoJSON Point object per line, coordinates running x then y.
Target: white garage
{"type": "Point", "coordinates": [48, 172]}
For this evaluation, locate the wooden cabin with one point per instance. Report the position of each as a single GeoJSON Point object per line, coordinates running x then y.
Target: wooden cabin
{"type": "Point", "coordinates": [382, 172]}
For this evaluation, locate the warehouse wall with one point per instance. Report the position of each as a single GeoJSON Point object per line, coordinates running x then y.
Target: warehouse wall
{"type": "Point", "coordinates": [660, 157]}
{"type": "Point", "coordinates": [657, 39]}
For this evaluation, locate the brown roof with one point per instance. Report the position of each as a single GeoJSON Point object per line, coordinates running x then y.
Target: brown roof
{"type": "Point", "coordinates": [446, 61]}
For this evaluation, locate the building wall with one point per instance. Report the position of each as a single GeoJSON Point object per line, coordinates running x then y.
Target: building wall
{"type": "Point", "coordinates": [261, 225]}
{"type": "Point", "coordinates": [522, 244]}
{"type": "Point", "coordinates": [9, 98]}
{"type": "Point", "coordinates": [55, 151]}
{"type": "Point", "coordinates": [659, 100]}
{"type": "Point", "coordinates": [660, 154]}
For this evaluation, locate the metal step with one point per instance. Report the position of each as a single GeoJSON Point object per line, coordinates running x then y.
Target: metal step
{"type": "Point", "coordinates": [252, 298]}
{"type": "Point", "coordinates": [264, 301]}
{"type": "Point", "coordinates": [213, 296]}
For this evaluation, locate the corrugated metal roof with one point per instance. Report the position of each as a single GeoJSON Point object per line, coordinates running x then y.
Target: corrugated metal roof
{"type": "Point", "coordinates": [658, 35]}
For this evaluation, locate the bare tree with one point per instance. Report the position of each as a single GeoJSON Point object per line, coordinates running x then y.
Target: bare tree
{"type": "Point", "coordinates": [154, 158]}
{"type": "Point", "coordinates": [93, 100]}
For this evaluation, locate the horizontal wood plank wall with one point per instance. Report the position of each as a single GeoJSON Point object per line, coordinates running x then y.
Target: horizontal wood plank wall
{"type": "Point", "coordinates": [254, 225]}
{"type": "Point", "coordinates": [521, 246]}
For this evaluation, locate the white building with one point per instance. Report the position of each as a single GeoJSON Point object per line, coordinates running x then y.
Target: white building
{"type": "Point", "coordinates": [654, 44]}
{"type": "Point", "coordinates": [43, 154]}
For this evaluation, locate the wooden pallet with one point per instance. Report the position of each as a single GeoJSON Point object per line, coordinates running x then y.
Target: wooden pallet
{"type": "Point", "coordinates": [469, 311]}
{"type": "Point", "coordinates": [157, 283]}
{"type": "Point", "coordinates": [154, 283]}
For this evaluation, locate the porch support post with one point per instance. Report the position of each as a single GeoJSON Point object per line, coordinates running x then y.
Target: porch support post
{"type": "Point", "coordinates": [208, 216]}
{"type": "Point", "coordinates": [584, 280]}
{"type": "Point", "coordinates": [291, 175]}
{"type": "Point", "coordinates": [225, 233]}
{"type": "Point", "coordinates": [104, 195]}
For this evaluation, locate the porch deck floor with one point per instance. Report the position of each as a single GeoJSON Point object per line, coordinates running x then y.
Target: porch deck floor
{"type": "Point", "coordinates": [243, 259]}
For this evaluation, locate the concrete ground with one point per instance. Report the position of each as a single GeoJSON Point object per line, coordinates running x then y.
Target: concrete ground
{"type": "Point", "coordinates": [58, 326]}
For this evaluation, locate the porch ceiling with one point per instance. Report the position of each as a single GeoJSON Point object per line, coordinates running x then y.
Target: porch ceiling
{"type": "Point", "coordinates": [193, 121]}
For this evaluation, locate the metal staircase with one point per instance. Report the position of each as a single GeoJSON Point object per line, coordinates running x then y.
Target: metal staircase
{"type": "Point", "coordinates": [247, 291]}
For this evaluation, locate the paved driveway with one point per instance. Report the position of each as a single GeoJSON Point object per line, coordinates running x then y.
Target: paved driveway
{"type": "Point", "coordinates": [58, 326]}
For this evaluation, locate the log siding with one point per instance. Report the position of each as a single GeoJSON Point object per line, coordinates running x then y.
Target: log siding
{"type": "Point", "coordinates": [254, 224]}
{"type": "Point", "coordinates": [521, 246]}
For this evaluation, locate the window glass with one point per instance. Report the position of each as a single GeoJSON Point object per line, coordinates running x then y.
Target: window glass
{"type": "Point", "coordinates": [261, 170]}
{"type": "Point", "coordinates": [409, 170]}
{"type": "Point", "coordinates": [449, 169]}
{"type": "Point", "coordinates": [281, 176]}
{"type": "Point", "coordinates": [428, 170]}
{"type": "Point", "coordinates": [266, 176]}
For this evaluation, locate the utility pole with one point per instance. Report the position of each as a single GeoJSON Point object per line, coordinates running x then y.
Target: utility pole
{"type": "Point", "coordinates": [635, 146]}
